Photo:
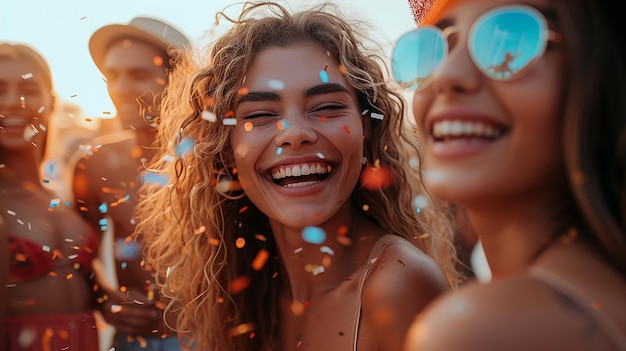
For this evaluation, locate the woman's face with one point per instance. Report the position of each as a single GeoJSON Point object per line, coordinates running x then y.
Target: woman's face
{"type": "Point", "coordinates": [486, 140]}
{"type": "Point", "coordinates": [298, 141]}
{"type": "Point", "coordinates": [25, 104]}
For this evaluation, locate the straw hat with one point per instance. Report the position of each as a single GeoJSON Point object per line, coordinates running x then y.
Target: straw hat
{"type": "Point", "coordinates": [150, 30]}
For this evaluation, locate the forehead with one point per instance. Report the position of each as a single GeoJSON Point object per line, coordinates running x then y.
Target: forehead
{"type": "Point", "coordinates": [21, 72]}
{"type": "Point", "coordinates": [132, 53]}
{"type": "Point", "coordinates": [295, 66]}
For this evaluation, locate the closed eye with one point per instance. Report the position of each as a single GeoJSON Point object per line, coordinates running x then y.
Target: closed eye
{"type": "Point", "coordinates": [330, 107]}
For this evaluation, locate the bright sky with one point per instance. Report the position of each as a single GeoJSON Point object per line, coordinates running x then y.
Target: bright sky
{"type": "Point", "coordinates": [60, 30]}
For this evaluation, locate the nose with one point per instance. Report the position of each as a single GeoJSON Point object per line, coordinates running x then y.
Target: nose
{"type": "Point", "coordinates": [295, 132]}
{"type": "Point", "coordinates": [457, 73]}
{"type": "Point", "coordinates": [122, 86]}
{"type": "Point", "coordinates": [13, 99]}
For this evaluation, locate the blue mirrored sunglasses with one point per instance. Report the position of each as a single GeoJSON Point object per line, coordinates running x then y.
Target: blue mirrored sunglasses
{"type": "Point", "coordinates": [503, 43]}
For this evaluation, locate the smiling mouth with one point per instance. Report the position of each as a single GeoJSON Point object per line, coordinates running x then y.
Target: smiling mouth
{"type": "Point", "coordinates": [301, 175]}
{"type": "Point", "coordinates": [455, 129]}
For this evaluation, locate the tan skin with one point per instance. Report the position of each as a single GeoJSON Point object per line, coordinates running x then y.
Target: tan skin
{"type": "Point", "coordinates": [111, 176]}
{"type": "Point", "coordinates": [516, 193]}
{"type": "Point", "coordinates": [63, 289]}
{"type": "Point", "coordinates": [404, 274]}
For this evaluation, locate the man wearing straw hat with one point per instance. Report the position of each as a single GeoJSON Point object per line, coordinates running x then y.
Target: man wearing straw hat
{"type": "Point", "coordinates": [135, 59]}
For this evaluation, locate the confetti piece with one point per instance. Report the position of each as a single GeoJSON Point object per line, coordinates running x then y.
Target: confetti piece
{"type": "Point", "coordinates": [240, 242]}
{"type": "Point", "coordinates": [103, 208]}
{"type": "Point", "coordinates": [320, 155]}
{"type": "Point", "coordinates": [229, 121]}
{"type": "Point", "coordinates": [260, 259]}
{"type": "Point", "coordinates": [377, 116]}
{"type": "Point", "coordinates": [375, 178]}
{"type": "Point", "coordinates": [420, 201]}
{"type": "Point", "coordinates": [184, 146]}
{"type": "Point", "coordinates": [275, 84]}
{"type": "Point", "coordinates": [324, 76]}
{"type": "Point", "coordinates": [208, 116]}
{"type": "Point", "coordinates": [154, 178]}
{"type": "Point", "coordinates": [279, 150]}
{"type": "Point", "coordinates": [327, 250]}
{"type": "Point", "coordinates": [282, 124]}
{"type": "Point", "coordinates": [313, 235]}
{"type": "Point", "coordinates": [168, 158]}
{"type": "Point", "coordinates": [242, 329]}
{"type": "Point", "coordinates": [346, 129]}
{"type": "Point", "coordinates": [54, 203]}
{"type": "Point", "coordinates": [248, 126]}
{"type": "Point", "coordinates": [237, 285]}
{"type": "Point", "coordinates": [242, 91]}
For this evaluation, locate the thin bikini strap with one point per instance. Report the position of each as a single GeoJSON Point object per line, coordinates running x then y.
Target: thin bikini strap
{"type": "Point", "coordinates": [373, 259]}
{"type": "Point", "coordinates": [606, 324]}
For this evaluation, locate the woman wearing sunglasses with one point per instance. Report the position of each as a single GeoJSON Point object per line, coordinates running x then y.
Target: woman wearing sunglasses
{"type": "Point", "coordinates": [521, 112]}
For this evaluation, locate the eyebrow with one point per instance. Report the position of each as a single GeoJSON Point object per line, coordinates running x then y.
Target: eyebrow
{"type": "Point", "coordinates": [321, 89]}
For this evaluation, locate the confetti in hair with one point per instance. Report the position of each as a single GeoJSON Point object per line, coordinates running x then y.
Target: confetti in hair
{"type": "Point", "coordinates": [419, 9]}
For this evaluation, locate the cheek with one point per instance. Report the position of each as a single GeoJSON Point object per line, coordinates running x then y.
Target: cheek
{"type": "Point", "coordinates": [420, 104]}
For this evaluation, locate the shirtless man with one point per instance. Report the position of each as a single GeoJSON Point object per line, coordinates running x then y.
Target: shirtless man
{"type": "Point", "coordinates": [135, 59]}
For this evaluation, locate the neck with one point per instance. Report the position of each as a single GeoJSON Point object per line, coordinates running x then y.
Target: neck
{"type": "Point", "coordinates": [308, 265]}
{"type": "Point", "coordinates": [19, 167]}
{"type": "Point", "coordinates": [515, 237]}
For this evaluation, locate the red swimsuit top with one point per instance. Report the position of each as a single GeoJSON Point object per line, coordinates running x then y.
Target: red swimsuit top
{"type": "Point", "coordinates": [29, 260]}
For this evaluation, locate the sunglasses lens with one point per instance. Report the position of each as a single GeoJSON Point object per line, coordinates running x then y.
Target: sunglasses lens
{"type": "Point", "coordinates": [416, 56]}
{"type": "Point", "coordinates": [505, 42]}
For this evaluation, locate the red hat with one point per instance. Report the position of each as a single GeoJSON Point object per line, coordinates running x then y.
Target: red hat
{"type": "Point", "coordinates": [150, 30]}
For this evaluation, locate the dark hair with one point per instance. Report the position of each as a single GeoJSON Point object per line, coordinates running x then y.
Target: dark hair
{"type": "Point", "coordinates": [594, 123]}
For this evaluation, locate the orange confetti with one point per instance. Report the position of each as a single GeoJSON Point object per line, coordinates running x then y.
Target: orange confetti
{"type": "Point", "coordinates": [243, 209]}
{"type": "Point", "coordinates": [157, 61]}
{"type": "Point", "coordinates": [260, 259]}
{"type": "Point", "coordinates": [240, 243]}
{"type": "Point", "coordinates": [346, 129]}
{"type": "Point", "coordinates": [46, 340]}
{"type": "Point", "coordinates": [242, 91]}
{"type": "Point", "coordinates": [375, 178]}
{"type": "Point", "coordinates": [238, 285]}
{"type": "Point", "coordinates": [248, 126]}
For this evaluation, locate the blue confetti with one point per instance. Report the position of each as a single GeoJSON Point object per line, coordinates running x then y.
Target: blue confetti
{"type": "Point", "coordinates": [184, 146]}
{"type": "Point", "coordinates": [279, 150]}
{"type": "Point", "coordinates": [313, 235]}
{"type": "Point", "coordinates": [103, 208]}
{"type": "Point", "coordinates": [324, 76]}
{"type": "Point", "coordinates": [154, 178]}
{"type": "Point", "coordinates": [104, 224]}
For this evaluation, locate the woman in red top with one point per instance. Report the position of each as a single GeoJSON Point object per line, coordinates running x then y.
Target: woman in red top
{"type": "Point", "coordinates": [50, 248]}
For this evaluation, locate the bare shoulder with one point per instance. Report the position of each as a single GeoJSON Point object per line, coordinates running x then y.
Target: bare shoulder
{"type": "Point", "coordinates": [402, 268]}
{"type": "Point", "coordinates": [517, 313]}
{"type": "Point", "coordinates": [403, 281]}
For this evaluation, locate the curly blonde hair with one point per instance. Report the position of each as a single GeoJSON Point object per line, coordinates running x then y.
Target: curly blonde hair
{"type": "Point", "coordinates": [189, 226]}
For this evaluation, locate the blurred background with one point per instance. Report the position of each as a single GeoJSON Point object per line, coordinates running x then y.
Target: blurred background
{"type": "Point", "coordinates": [60, 30]}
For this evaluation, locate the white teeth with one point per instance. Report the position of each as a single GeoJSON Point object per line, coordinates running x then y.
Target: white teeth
{"type": "Point", "coordinates": [301, 184]}
{"type": "Point", "coordinates": [445, 129]}
{"type": "Point", "coordinates": [302, 170]}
